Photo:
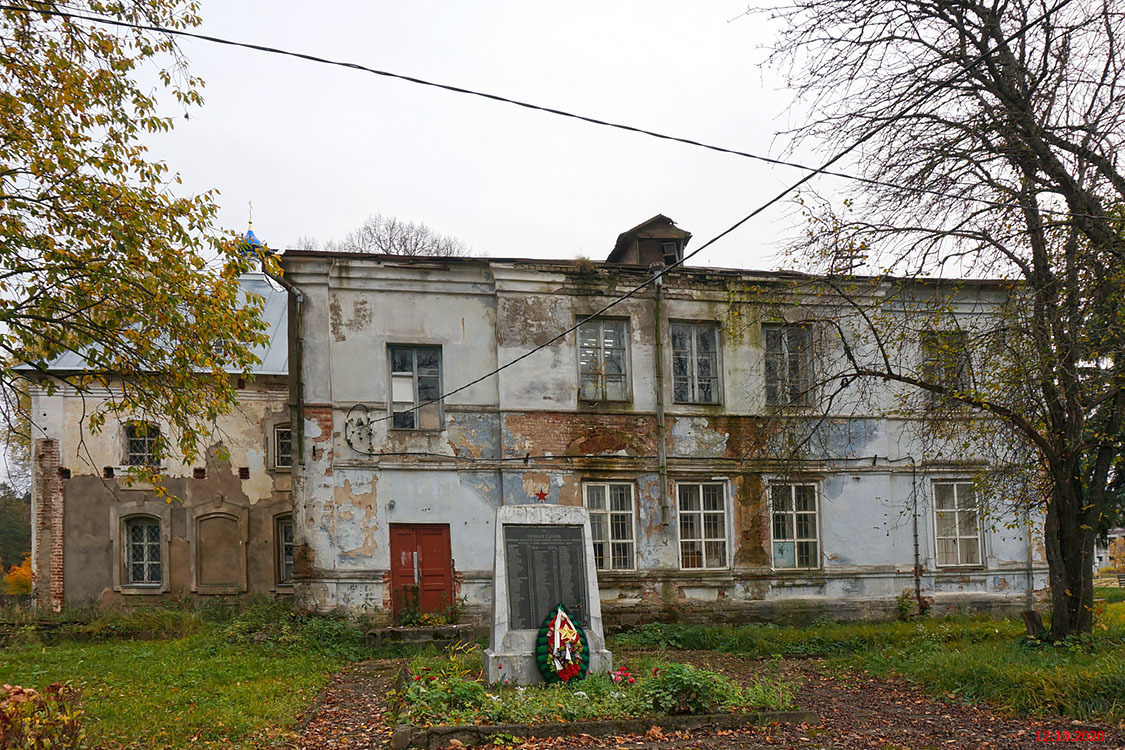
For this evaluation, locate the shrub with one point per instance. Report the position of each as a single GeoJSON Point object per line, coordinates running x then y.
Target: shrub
{"type": "Point", "coordinates": [31, 720]}
{"type": "Point", "coordinates": [18, 579]}
{"type": "Point", "coordinates": [432, 699]}
{"type": "Point", "coordinates": [684, 689]}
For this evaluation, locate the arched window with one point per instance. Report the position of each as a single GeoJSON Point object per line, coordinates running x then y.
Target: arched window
{"type": "Point", "coordinates": [142, 551]}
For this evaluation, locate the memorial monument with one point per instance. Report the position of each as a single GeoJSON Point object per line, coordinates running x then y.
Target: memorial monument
{"type": "Point", "coordinates": [544, 559]}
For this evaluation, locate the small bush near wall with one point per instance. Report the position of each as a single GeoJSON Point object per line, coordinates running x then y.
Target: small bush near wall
{"type": "Point", "coordinates": [31, 720]}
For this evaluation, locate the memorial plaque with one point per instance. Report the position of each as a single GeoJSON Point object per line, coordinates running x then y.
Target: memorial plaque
{"type": "Point", "coordinates": [546, 566]}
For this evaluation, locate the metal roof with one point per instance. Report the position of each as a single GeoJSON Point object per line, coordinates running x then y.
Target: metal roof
{"type": "Point", "coordinates": [274, 356]}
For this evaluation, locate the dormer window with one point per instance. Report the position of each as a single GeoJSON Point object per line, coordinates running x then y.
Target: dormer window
{"type": "Point", "coordinates": [671, 252]}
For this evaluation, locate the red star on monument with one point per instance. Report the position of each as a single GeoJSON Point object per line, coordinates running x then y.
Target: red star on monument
{"type": "Point", "coordinates": [541, 495]}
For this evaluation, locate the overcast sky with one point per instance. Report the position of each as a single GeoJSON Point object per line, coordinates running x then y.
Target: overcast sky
{"type": "Point", "coordinates": [318, 148]}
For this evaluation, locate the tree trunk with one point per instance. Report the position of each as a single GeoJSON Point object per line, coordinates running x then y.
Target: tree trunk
{"type": "Point", "coordinates": [1070, 550]}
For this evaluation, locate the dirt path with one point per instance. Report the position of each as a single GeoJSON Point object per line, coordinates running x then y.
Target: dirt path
{"type": "Point", "coordinates": [856, 711]}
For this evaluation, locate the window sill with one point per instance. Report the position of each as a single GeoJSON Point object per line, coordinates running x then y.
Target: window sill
{"type": "Point", "coordinates": [142, 589]}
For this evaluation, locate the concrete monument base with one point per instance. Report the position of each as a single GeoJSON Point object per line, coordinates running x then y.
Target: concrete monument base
{"type": "Point", "coordinates": [522, 595]}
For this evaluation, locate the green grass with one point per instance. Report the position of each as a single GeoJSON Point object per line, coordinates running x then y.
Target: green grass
{"type": "Point", "coordinates": [236, 676]}
{"type": "Point", "coordinates": [975, 659]}
{"type": "Point", "coordinates": [177, 693]}
{"type": "Point", "coordinates": [1111, 595]}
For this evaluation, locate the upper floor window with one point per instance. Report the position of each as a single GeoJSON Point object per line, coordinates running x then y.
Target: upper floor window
{"type": "Point", "coordinates": [957, 523]}
{"type": "Point", "coordinates": [142, 441]}
{"type": "Point", "coordinates": [611, 523]}
{"type": "Point", "coordinates": [945, 361]}
{"type": "Point", "coordinates": [416, 387]}
{"type": "Point", "coordinates": [703, 524]}
{"type": "Point", "coordinates": [285, 549]}
{"type": "Point", "coordinates": [788, 364]}
{"type": "Point", "coordinates": [695, 363]}
{"type": "Point", "coordinates": [142, 551]}
{"type": "Point", "coordinates": [794, 528]}
{"type": "Point", "coordinates": [603, 356]}
{"type": "Point", "coordinates": [282, 447]}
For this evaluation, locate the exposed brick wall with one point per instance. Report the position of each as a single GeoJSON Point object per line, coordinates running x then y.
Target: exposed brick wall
{"type": "Point", "coordinates": [574, 433]}
{"type": "Point", "coordinates": [47, 576]}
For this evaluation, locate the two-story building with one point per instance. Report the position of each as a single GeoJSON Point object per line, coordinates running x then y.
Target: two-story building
{"type": "Point", "coordinates": [430, 392]}
{"type": "Point", "coordinates": [97, 536]}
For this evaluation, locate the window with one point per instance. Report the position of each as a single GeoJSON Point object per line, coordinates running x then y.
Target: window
{"type": "Point", "coordinates": [945, 361]}
{"type": "Point", "coordinates": [703, 524]}
{"type": "Point", "coordinates": [695, 363]}
{"type": "Point", "coordinates": [282, 447]}
{"type": "Point", "coordinates": [670, 252]}
{"type": "Point", "coordinates": [141, 444]}
{"type": "Point", "coordinates": [788, 364]}
{"type": "Point", "coordinates": [415, 383]}
{"type": "Point", "coordinates": [796, 541]}
{"type": "Point", "coordinates": [285, 550]}
{"type": "Point", "coordinates": [142, 552]}
{"type": "Point", "coordinates": [602, 360]}
{"type": "Point", "coordinates": [611, 524]}
{"type": "Point", "coordinates": [957, 523]}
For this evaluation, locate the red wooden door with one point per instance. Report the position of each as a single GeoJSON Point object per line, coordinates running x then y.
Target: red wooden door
{"type": "Point", "coordinates": [421, 567]}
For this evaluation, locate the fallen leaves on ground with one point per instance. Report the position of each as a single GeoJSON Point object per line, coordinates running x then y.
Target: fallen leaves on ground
{"type": "Point", "coordinates": [856, 711]}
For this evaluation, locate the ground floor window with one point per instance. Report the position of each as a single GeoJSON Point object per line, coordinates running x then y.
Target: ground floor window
{"type": "Point", "coordinates": [957, 523]}
{"type": "Point", "coordinates": [703, 524]}
{"type": "Point", "coordinates": [611, 523]}
{"type": "Point", "coordinates": [794, 527]}
{"type": "Point", "coordinates": [142, 551]}
{"type": "Point", "coordinates": [285, 549]}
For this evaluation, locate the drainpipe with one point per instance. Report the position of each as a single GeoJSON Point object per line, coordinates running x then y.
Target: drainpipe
{"type": "Point", "coordinates": [917, 555]}
{"type": "Point", "coordinates": [296, 336]}
{"type": "Point", "coordinates": [661, 448]}
{"type": "Point", "coordinates": [1030, 569]}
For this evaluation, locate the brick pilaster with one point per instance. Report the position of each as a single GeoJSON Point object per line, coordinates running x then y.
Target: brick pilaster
{"type": "Point", "coordinates": [47, 562]}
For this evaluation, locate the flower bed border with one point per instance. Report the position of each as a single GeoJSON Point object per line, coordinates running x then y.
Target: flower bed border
{"type": "Point", "coordinates": [408, 736]}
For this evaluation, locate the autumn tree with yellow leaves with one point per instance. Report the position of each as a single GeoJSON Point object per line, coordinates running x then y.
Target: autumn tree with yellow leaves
{"type": "Point", "coordinates": [97, 254]}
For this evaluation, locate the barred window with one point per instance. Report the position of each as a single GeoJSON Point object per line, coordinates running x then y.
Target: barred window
{"type": "Point", "coordinates": [695, 363]}
{"type": "Point", "coordinates": [794, 527]}
{"type": "Point", "coordinates": [285, 549]}
{"type": "Point", "coordinates": [142, 551]}
{"type": "Point", "coordinates": [611, 524]}
{"type": "Point", "coordinates": [957, 523]}
{"type": "Point", "coordinates": [603, 360]}
{"type": "Point", "coordinates": [141, 444]}
{"type": "Point", "coordinates": [703, 524]}
{"type": "Point", "coordinates": [282, 447]}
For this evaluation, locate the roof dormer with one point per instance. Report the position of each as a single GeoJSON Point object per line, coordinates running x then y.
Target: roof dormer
{"type": "Point", "coordinates": [656, 241]}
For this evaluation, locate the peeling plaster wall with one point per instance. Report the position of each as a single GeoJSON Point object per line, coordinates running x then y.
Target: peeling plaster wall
{"type": "Point", "coordinates": [523, 436]}
{"type": "Point", "coordinates": [94, 506]}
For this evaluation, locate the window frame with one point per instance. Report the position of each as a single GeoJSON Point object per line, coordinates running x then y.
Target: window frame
{"type": "Point", "coordinates": [127, 561]}
{"type": "Point", "coordinates": [806, 360]}
{"type": "Point", "coordinates": [275, 445]}
{"type": "Point", "coordinates": [724, 486]}
{"type": "Point", "coordinates": [415, 409]}
{"type": "Point", "coordinates": [955, 483]}
{"type": "Point", "coordinates": [608, 512]}
{"type": "Point", "coordinates": [792, 486]}
{"type": "Point", "coordinates": [694, 377]}
{"type": "Point", "coordinates": [281, 520]}
{"type": "Point", "coordinates": [626, 376]}
{"type": "Point", "coordinates": [938, 365]}
{"type": "Point", "coordinates": [151, 438]}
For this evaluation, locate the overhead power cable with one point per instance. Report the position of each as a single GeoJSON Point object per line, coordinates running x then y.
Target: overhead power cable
{"type": "Point", "coordinates": [813, 172]}
{"type": "Point", "coordinates": [537, 107]}
{"type": "Point", "coordinates": [660, 274]}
